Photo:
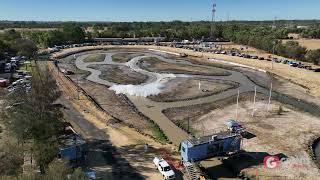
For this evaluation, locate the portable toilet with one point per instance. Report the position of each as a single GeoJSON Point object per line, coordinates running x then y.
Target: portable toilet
{"type": "Point", "coordinates": [207, 147]}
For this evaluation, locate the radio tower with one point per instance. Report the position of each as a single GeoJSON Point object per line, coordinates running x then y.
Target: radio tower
{"type": "Point", "coordinates": [213, 17]}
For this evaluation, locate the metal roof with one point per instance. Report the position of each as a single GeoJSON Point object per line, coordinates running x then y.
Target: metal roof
{"type": "Point", "coordinates": [214, 137]}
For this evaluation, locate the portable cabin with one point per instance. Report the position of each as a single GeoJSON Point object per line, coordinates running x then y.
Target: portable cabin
{"type": "Point", "coordinates": [72, 148]}
{"type": "Point", "coordinates": [206, 147]}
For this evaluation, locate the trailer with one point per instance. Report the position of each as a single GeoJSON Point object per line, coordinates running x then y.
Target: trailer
{"type": "Point", "coordinates": [216, 145]}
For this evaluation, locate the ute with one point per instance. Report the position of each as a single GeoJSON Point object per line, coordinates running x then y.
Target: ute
{"type": "Point", "coordinates": [164, 168]}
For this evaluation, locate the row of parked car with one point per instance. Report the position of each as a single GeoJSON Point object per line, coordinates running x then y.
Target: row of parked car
{"type": "Point", "coordinates": [248, 56]}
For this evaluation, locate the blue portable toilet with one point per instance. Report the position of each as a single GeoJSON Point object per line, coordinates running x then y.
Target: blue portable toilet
{"type": "Point", "coordinates": [206, 147]}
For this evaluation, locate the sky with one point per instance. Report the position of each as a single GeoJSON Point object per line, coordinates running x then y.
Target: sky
{"type": "Point", "coordinates": [156, 10]}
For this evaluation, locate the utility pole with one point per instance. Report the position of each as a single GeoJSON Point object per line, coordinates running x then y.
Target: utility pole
{"type": "Point", "coordinates": [77, 74]}
{"type": "Point", "coordinates": [273, 51]}
{"type": "Point", "coordinates": [270, 94]}
{"type": "Point", "coordinates": [213, 18]}
{"type": "Point", "coordinates": [254, 100]}
{"type": "Point", "coordinates": [237, 104]}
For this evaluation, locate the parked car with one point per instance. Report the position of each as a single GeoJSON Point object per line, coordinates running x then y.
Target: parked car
{"type": "Point", "coordinates": [164, 168]}
{"type": "Point", "coordinates": [254, 57]}
{"type": "Point", "coordinates": [317, 70]}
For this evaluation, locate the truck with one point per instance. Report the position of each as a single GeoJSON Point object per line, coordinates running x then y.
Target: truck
{"type": "Point", "coordinates": [164, 168]}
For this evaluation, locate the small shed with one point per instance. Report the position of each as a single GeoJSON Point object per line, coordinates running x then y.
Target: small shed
{"type": "Point", "coordinates": [72, 148]}
{"type": "Point", "coordinates": [207, 147]}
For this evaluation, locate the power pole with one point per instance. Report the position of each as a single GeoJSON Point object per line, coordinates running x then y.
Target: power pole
{"type": "Point", "coordinates": [270, 94]}
{"type": "Point", "coordinates": [213, 18]}
{"type": "Point", "coordinates": [237, 104]}
{"type": "Point", "coordinates": [254, 100]}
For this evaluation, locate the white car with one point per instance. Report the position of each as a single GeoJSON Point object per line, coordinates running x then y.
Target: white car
{"type": "Point", "coordinates": [164, 168]}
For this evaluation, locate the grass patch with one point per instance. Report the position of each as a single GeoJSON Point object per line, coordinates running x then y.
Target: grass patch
{"type": "Point", "coordinates": [183, 124]}
{"type": "Point", "coordinates": [95, 58]}
{"type": "Point", "coordinates": [121, 57]}
{"type": "Point", "coordinates": [158, 133]}
{"type": "Point", "coordinates": [154, 64]}
{"type": "Point", "coordinates": [120, 74]}
{"type": "Point", "coordinates": [27, 67]}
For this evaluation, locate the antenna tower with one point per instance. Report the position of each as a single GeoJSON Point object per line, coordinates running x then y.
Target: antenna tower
{"type": "Point", "coordinates": [213, 17]}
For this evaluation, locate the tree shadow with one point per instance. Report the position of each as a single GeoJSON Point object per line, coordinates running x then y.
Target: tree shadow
{"type": "Point", "coordinates": [138, 154]}
{"type": "Point", "coordinates": [233, 165]}
{"type": "Point", "coordinates": [248, 135]}
{"type": "Point", "coordinates": [107, 161]}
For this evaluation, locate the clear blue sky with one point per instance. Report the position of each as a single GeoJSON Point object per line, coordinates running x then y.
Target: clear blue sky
{"type": "Point", "coordinates": [156, 10]}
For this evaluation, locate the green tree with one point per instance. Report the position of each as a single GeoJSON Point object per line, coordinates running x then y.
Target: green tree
{"type": "Point", "coordinates": [10, 35]}
{"type": "Point", "coordinates": [313, 56]}
{"type": "Point", "coordinates": [73, 34]}
{"type": "Point", "coordinates": [33, 116]}
{"type": "Point", "coordinates": [24, 47]}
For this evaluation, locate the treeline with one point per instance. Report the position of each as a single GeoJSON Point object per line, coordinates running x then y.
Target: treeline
{"type": "Point", "coordinates": [262, 36]}
{"type": "Point", "coordinates": [269, 39]}
{"type": "Point", "coordinates": [12, 43]}
{"type": "Point", "coordinates": [69, 34]}
{"type": "Point", "coordinates": [311, 32]}
{"type": "Point", "coordinates": [57, 24]}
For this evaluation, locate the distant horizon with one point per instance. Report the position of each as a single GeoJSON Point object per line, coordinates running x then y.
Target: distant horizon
{"type": "Point", "coordinates": [240, 20]}
{"type": "Point", "coordinates": [156, 11]}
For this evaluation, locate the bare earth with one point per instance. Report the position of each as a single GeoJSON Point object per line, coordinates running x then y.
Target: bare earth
{"type": "Point", "coordinates": [120, 74]}
{"type": "Point", "coordinates": [303, 77]}
{"type": "Point", "coordinates": [287, 134]}
{"type": "Point", "coordinates": [310, 44]}
{"type": "Point", "coordinates": [180, 89]}
{"type": "Point", "coordinates": [129, 143]}
{"type": "Point", "coordinates": [155, 65]}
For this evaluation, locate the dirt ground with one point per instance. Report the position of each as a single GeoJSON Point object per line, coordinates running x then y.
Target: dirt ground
{"type": "Point", "coordinates": [95, 58]}
{"type": "Point", "coordinates": [308, 79]}
{"type": "Point", "coordinates": [129, 143]}
{"type": "Point", "coordinates": [124, 57]}
{"type": "Point", "coordinates": [155, 65]}
{"type": "Point", "coordinates": [305, 78]}
{"type": "Point", "coordinates": [286, 133]}
{"type": "Point", "coordinates": [180, 89]}
{"type": "Point", "coordinates": [310, 44]}
{"type": "Point", "coordinates": [120, 74]}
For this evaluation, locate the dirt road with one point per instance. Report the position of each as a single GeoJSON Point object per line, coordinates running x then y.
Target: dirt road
{"type": "Point", "coordinates": [115, 150]}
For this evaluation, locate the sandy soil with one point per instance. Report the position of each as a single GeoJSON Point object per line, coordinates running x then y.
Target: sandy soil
{"type": "Point", "coordinates": [155, 65]}
{"type": "Point", "coordinates": [310, 44]}
{"type": "Point", "coordinates": [180, 89]}
{"type": "Point", "coordinates": [120, 74]}
{"type": "Point", "coordinates": [287, 134]}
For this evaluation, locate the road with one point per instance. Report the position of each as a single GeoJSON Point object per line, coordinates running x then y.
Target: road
{"type": "Point", "coordinates": [102, 155]}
